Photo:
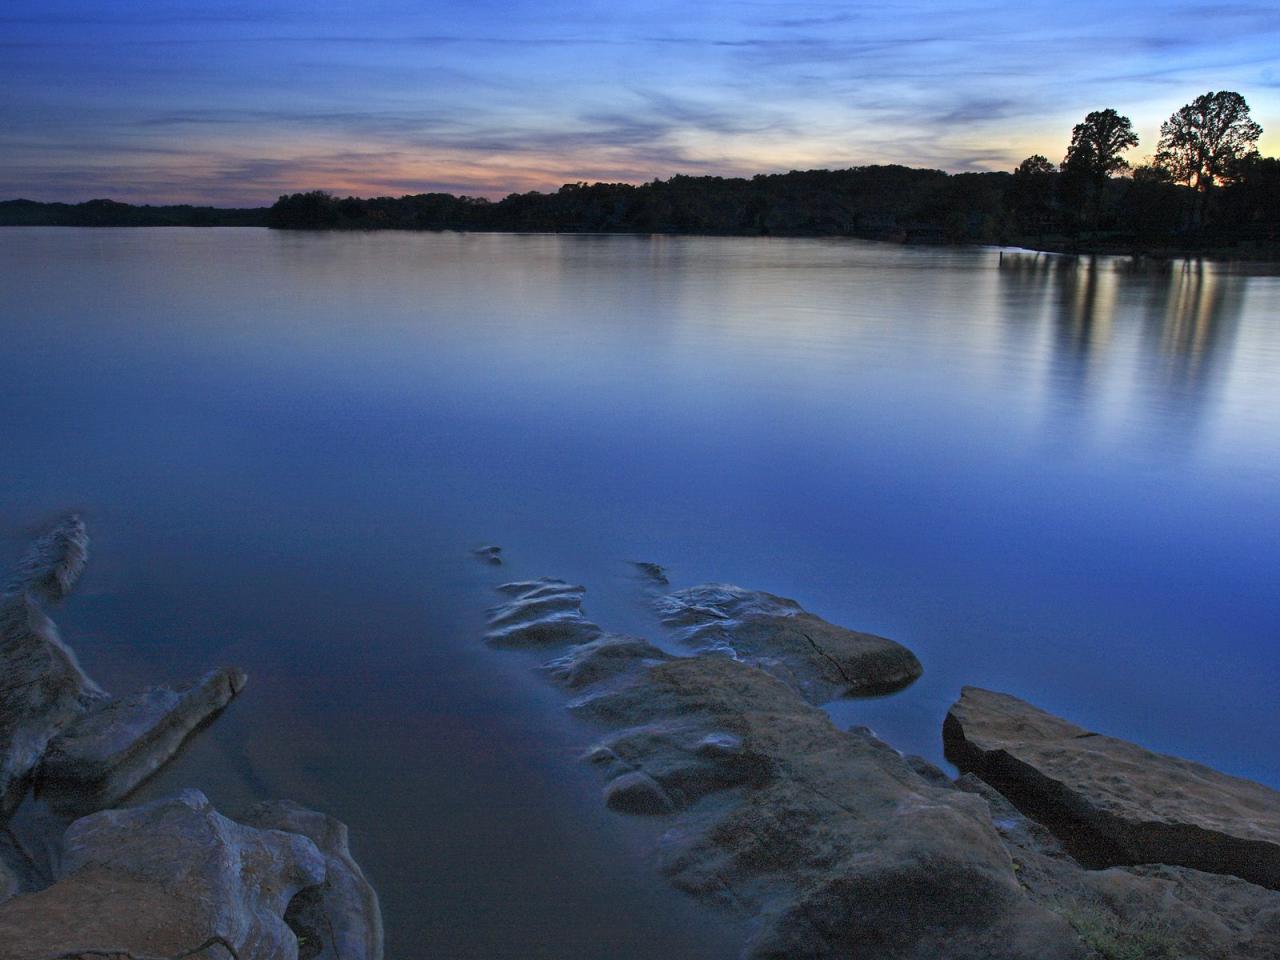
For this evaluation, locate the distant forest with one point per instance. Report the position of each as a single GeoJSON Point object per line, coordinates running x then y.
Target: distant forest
{"type": "Point", "coordinates": [1205, 189]}
{"type": "Point", "coordinates": [1038, 208]}
{"type": "Point", "coordinates": [110, 213]}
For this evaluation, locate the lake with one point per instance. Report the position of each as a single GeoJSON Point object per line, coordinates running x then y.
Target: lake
{"type": "Point", "coordinates": [1058, 478]}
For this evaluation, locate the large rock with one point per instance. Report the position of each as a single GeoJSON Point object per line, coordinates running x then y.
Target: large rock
{"type": "Point", "coordinates": [821, 660]}
{"type": "Point", "coordinates": [829, 838]}
{"type": "Point", "coordinates": [1153, 912]}
{"type": "Point", "coordinates": [339, 919]}
{"type": "Point", "coordinates": [1112, 802]}
{"type": "Point", "coordinates": [1142, 913]}
{"type": "Point", "coordinates": [101, 756]}
{"type": "Point", "coordinates": [57, 726]}
{"type": "Point", "coordinates": [170, 878]}
{"type": "Point", "coordinates": [42, 687]}
{"type": "Point", "coordinates": [540, 613]}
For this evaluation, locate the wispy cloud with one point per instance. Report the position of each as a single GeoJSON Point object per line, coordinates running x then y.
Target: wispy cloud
{"type": "Point", "coordinates": [236, 102]}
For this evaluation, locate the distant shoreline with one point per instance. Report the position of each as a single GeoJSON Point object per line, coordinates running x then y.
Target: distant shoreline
{"type": "Point", "coordinates": [557, 213]}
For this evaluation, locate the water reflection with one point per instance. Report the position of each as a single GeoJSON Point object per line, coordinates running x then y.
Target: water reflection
{"type": "Point", "coordinates": [1186, 314]}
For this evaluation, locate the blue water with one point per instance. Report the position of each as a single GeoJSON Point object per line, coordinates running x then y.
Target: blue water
{"type": "Point", "coordinates": [1056, 478]}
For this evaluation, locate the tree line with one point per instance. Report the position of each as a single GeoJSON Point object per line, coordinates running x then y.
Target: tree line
{"type": "Point", "coordinates": [1206, 186]}
{"type": "Point", "coordinates": [111, 213]}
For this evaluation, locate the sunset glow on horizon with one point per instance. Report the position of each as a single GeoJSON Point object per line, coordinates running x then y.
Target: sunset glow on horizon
{"type": "Point", "coordinates": [236, 103]}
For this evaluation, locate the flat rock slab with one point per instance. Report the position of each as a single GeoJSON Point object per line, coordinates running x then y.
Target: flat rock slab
{"type": "Point", "coordinates": [1151, 912]}
{"type": "Point", "coordinates": [1113, 802]}
{"type": "Point", "coordinates": [540, 613]}
{"type": "Point", "coordinates": [819, 659]}
{"type": "Point", "coordinates": [101, 756]}
{"type": "Point", "coordinates": [165, 879]}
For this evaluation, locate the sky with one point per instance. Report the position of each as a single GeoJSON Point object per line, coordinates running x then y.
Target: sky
{"type": "Point", "coordinates": [235, 103]}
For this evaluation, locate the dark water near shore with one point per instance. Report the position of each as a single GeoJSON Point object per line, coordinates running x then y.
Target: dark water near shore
{"type": "Point", "coordinates": [1055, 478]}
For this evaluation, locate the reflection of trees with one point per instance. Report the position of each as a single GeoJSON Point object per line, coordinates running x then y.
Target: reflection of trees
{"type": "Point", "coordinates": [1184, 315]}
{"type": "Point", "coordinates": [1198, 314]}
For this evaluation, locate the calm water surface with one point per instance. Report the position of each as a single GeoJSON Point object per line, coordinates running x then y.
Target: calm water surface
{"type": "Point", "coordinates": [1055, 478]}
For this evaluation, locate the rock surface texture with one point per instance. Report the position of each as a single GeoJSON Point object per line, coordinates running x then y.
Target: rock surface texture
{"type": "Point", "coordinates": [1112, 802]}
{"type": "Point", "coordinates": [164, 879]}
{"type": "Point", "coordinates": [819, 659]}
{"type": "Point", "coordinates": [1152, 912]}
{"type": "Point", "coordinates": [830, 838]}
{"type": "Point", "coordinates": [340, 919]}
{"type": "Point", "coordinates": [540, 613]}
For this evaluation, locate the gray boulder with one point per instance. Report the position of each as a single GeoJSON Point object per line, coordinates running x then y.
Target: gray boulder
{"type": "Point", "coordinates": [340, 919]}
{"type": "Point", "coordinates": [819, 659]}
{"type": "Point", "coordinates": [1112, 802]}
{"type": "Point", "coordinates": [169, 878]}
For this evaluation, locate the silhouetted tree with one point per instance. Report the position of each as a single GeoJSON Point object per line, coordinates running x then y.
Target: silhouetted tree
{"type": "Point", "coordinates": [1202, 143]}
{"type": "Point", "coordinates": [1096, 144]}
{"type": "Point", "coordinates": [1094, 155]}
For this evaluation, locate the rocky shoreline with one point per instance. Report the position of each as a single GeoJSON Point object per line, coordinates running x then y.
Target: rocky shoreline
{"type": "Point", "coordinates": [81, 878]}
{"type": "Point", "coordinates": [1053, 843]}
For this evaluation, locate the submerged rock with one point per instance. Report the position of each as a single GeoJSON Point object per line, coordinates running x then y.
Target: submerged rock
{"type": "Point", "coordinates": [100, 757]}
{"type": "Point", "coordinates": [166, 879]}
{"type": "Point", "coordinates": [339, 919]}
{"type": "Point", "coordinates": [540, 613]}
{"type": "Point", "coordinates": [654, 572]}
{"type": "Point", "coordinates": [489, 554]}
{"type": "Point", "coordinates": [1112, 802]}
{"type": "Point", "coordinates": [819, 659]}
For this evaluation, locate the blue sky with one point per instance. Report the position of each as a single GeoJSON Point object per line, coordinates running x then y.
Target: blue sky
{"type": "Point", "coordinates": [235, 103]}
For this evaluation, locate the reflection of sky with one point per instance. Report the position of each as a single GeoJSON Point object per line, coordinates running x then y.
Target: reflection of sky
{"type": "Point", "coordinates": [236, 102]}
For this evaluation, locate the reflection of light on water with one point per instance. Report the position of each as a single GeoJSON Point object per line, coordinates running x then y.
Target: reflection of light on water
{"type": "Point", "coordinates": [1190, 318]}
{"type": "Point", "coordinates": [1135, 351]}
